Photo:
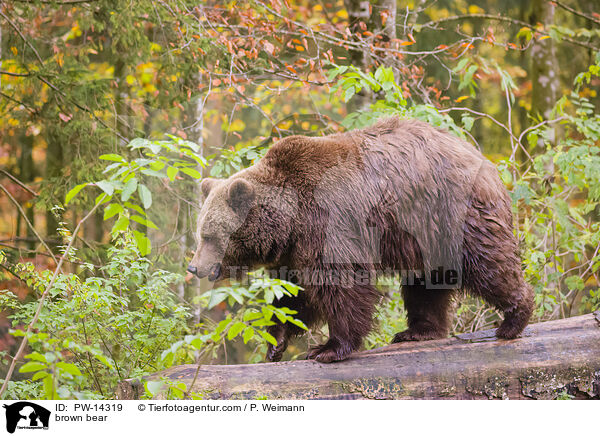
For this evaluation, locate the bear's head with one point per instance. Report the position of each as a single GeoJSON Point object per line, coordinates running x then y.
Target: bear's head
{"type": "Point", "coordinates": [239, 228]}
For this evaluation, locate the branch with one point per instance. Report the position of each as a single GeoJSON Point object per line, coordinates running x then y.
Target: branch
{"type": "Point", "coordinates": [575, 12]}
{"type": "Point", "coordinates": [18, 182]}
{"type": "Point", "coordinates": [45, 81]}
{"type": "Point", "coordinates": [22, 212]}
{"type": "Point", "coordinates": [19, 102]}
{"type": "Point", "coordinates": [8, 73]}
{"type": "Point", "coordinates": [50, 2]}
{"type": "Point", "coordinates": [434, 23]}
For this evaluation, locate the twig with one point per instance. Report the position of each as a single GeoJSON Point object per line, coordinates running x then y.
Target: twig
{"type": "Point", "coordinates": [19, 102]}
{"type": "Point", "coordinates": [50, 2]}
{"type": "Point", "coordinates": [502, 18]}
{"type": "Point", "coordinates": [18, 182]}
{"type": "Point", "coordinates": [575, 12]}
{"type": "Point", "coordinates": [8, 73]}
{"type": "Point", "coordinates": [22, 212]}
{"type": "Point", "coordinates": [38, 311]}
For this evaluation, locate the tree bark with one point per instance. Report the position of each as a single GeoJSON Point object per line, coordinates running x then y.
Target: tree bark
{"type": "Point", "coordinates": [545, 79]}
{"type": "Point", "coordinates": [550, 359]}
{"type": "Point", "coordinates": [379, 18]}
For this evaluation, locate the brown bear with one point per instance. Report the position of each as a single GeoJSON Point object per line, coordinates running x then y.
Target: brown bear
{"type": "Point", "coordinates": [332, 213]}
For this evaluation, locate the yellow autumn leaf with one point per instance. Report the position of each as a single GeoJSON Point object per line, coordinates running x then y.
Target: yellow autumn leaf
{"type": "Point", "coordinates": [342, 13]}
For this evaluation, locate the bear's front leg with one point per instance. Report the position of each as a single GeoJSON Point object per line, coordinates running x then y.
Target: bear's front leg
{"type": "Point", "coordinates": [349, 316]}
{"type": "Point", "coordinates": [335, 349]}
{"type": "Point", "coordinates": [281, 334]}
{"type": "Point", "coordinates": [427, 311]}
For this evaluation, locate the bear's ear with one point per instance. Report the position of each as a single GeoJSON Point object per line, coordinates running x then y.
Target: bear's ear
{"type": "Point", "coordinates": [240, 193]}
{"type": "Point", "coordinates": [207, 185]}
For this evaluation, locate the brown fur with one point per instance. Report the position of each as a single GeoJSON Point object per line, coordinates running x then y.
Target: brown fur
{"type": "Point", "coordinates": [400, 195]}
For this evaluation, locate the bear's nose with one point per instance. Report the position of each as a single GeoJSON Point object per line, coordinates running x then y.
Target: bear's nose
{"type": "Point", "coordinates": [192, 269]}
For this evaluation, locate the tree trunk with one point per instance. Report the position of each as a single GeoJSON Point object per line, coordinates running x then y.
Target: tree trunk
{"type": "Point", "coordinates": [54, 167]}
{"type": "Point", "coordinates": [545, 79]}
{"type": "Point", "coordinates": [379, 18]}
{"type": "Point", "coordinates": [551, 359]}
{"type": "Point", "coordinates": [27, 175]}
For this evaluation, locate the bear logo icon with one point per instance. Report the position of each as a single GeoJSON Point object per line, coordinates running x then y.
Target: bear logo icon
{"type": "Point", "coordinates": [24, 414]}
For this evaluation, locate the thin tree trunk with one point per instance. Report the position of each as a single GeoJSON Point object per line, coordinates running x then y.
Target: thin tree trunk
{"type": "Point", "coordinates": [545, 75]}
{"type": "Point", "coordinates": [379, 18]}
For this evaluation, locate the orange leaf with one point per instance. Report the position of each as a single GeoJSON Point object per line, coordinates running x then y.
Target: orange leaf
{"type": "Point", "coordinates": [65, 118]}
{"type": "Point", "coordinates": [384, 17]}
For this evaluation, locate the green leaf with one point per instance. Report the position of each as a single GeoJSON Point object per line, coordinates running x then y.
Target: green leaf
{"type": "Point", "coordinates": [222, 326]}
{"type": "Point", "coordinates": [235, 329]}
{"type": "Point", "coordinates": [251, 316]}
{"type": "Point", "coordinates": [349, 93]}
{"type": "Point", "coordinates": [191, 172]}
{"type": "Point", "coordinates": [111, 210]}
{"type": "Point", "coordinates": [143, 221]}
{"type": "Point", "coordinates": [298, 323]}
{"type": "Point", "coordinates": [467, 122]}
{"type": "Point", "coordinates": [33, 366]}
{"type": "Point", "coordinates": [216, 298]}
{"type": "Point", "coordinates": [129, 189]}
{"type": "Point", "coordinates": [154, 387]}
{"type": "Point", "coordinates": [145, 196]}
{"type": "Point", "coordinates": [73, 192]}
{"type": "Point", "coordinates": [268, 337]}
{"type": "Point", "coordinates": [103, 359]}
{"type": "Point", "coordinates": [112, 157]}
{"type": "Point", "coordinates": [38, 375]}
{"type": "Point", "coordinates": [106, 186]}
{"type": "Point", "coordinates": [142, 242]}
{"type": "Point", "coordinates": [172, 173]}
{"type": "Point", "coordinates": [121, 224]}
{"type": "Point", "coordinates": [68, 368]}
{"type": "Point", "coordinates": [248, 334]}
{"type": "Point", "coordinates": [49, 388]}
{"type": "Point", "coordinates": [36, 356]}
{"type": "Point", "coordinates": [135, 207]}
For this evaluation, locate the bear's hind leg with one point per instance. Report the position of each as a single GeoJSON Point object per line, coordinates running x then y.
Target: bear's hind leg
{"type": "Point", "coordinates": [499, 281]}
{"type": "Point", "coordinates": [517, 305]}
{"type": "Point", "coordinates": [427, 313]}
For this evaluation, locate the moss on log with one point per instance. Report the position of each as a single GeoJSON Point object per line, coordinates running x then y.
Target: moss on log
{"type": "Point", "coordinates": [550, 359]}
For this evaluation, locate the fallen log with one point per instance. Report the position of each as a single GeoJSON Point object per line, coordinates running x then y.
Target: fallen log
{"type": "Point", "coordinates": [550, 359]}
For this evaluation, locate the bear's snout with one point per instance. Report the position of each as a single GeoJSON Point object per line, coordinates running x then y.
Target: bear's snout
{"type": "Point", "coordinates": [215, 272]}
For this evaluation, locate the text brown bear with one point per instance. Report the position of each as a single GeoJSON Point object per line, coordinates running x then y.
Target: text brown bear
{"type": "Point", "coordinates": [331, 213]}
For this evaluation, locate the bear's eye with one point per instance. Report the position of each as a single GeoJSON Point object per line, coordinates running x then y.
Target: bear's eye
{"type": "Point", "coordinates": [209, 239]}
